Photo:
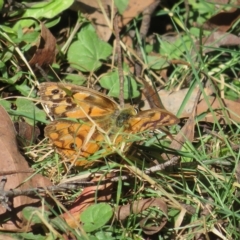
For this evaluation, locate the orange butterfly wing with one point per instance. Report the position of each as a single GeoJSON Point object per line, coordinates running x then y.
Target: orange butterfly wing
{"type": "Point", "coordinates": [144, 120]}
{"type": "Point", "coordinates": [76, 141]}
{"type": "Point", "coordinates": [151, 119]}
{"type": "Point", "coordinates": [68, 100]}
{"type": "Point", "coordinates": [103, 125]}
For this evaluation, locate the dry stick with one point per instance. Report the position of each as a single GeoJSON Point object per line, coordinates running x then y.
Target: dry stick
{"type": "Point", "coordinates": [159, 167]}
{"type": "Point", "coordinates": [4, 195]}
{"type": "Point", "coordinates": [145, 24]}
{"type": "Point", "coordinates": [10, 172]}
{"type": "Point", "coordinates": [43, 73]}
{"type": "Point", "coordinates": [162, 166]}
{"type": "Point", "coordinates": [119, 57]}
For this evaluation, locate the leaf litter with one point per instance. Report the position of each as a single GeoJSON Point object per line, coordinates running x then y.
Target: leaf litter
{"type": "Point", "coordinates": [225, 112]}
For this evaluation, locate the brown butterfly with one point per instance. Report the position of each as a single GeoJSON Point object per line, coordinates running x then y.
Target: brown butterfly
{"type": "Point", "coordinates": [88, 122]}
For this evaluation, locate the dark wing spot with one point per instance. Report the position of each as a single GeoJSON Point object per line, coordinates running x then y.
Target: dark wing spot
{"type": "Point", "coordinates": [73, 146]}
{"type": "Point", "coordinates": [69, 100]}
{"type": "Point", "coordinates": [90, 111]}
{"type": "Point", "coordinates": [55, 91]}
{"type": "Point", "coordinates": [70, 107]}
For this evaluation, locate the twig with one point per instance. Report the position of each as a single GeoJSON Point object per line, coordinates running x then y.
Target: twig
{"type": "Point", "coordinates": [119, 57]}
{"type": "Point", "coordinates": [5, 195]}
{"type": "Point", "coordinates": [10, 172]}
{"type": "Point", "coordinates": [162, 166]}
{"type": "Point", "coordinates": [145, 24]}
{"type": "Point", "coordinates": [153, 169]}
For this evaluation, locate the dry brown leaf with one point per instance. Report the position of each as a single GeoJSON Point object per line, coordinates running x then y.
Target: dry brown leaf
{"type": "Point", "coordinates": [45, 52]}
{"type": "Point", "coordinates": [27, 134]}
{"type": "Point", "coordinates": [187, 132]}
{"type": "Point", "coordinates": [217, 39]}
{"type": "Point", "coordinates": [151, 228]}
{"type": "Point", "coordinates": [6, 236]}
{"type": "Point", "coordinates": [173, 100]}
{"type": "Point", "coordinates": [94, 14]}
{"type": "Point", "coordinates": [152, 98]}
{"type": "Point", "coordinates": [122, 212]}
{"type": "Point", "coordinates": [135, 7]}
{"type": "Point", "coordinates": [232, 110]}
{"type": "Point", "coordinates": [223, 21]}
{"type": "Point", "coordinates": [15, 167]}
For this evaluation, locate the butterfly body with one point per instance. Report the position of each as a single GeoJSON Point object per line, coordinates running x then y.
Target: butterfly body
{"type": "Point", "coordinates": [97, 122]}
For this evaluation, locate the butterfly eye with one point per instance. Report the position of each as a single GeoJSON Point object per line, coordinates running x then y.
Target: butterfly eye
{"type": "Point", "coordinates": [124, 116]}
{"type": "Point", "coordinates": [136, 110]}
{"type": "Point", "coordinates": [122, 119]}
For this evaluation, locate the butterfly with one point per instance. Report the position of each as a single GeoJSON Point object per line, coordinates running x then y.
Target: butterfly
{"type": "Point", "coordinates": [89, 122]}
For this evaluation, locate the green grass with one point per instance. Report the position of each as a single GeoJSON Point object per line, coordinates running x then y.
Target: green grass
{"type": "Point", "coordinates": [201, 192]}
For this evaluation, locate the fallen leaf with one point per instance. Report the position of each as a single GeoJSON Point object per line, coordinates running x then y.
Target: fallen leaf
{"type": "Point", "coordinates": [153, 99]}
{"type": "Point", "coordinates": [217, 39]}
{"type": "Point", "coordinates": [122, 212]}
{"type": "Point", "coordinates": [95, 15]}
{"type": "Point", "coordinates": [222, 21]}
{"type": "Point", "coordinates": [173, 100]}
{"type": "Point", "coordinates": [134, 8]}
{"type": "Point", "coordinates": [232, 110]}
{"type": "Point", "coordinates": [15, 167]}
{"type": "Point", "coordinates": [45, 52]}
{"type": "Point", "coordinates": [27, 134]}
{"type": "Point", "coordinates": [187, 132]}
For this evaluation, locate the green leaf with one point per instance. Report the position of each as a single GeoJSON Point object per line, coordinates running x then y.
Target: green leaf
{"type": "Point", "coordinates": [11, 80]}
{"type": "Point", "coordinates": [30, 37]}
{"type": "Point", "coordinates": [111, 82]}
{"type": "Point", "coordinates": [4, 69]}
{"type": "Point", "coordinates": [121, 5]}
{"type": "Point", "coordinates": [44, 9]}
{"type": "Point", "coordinates": [7, 29]}
{"type": "Point", "coordinates": [25, 90]}
{"type": "Point", "coordinates": [5, 104]}
{"type": "Point", "coordinates": [86, 53]}
{"type": "Point", "coordinates": [33, 214]}
{"type": "Point", "coordinates": [8, 54]}
{"type": "Point", "coordinates": [26, 109]}
{"type": "Point", "coordinates": [92, 238]}
{"type": "Point", "coordinates": [27, 236]}
{"type": "Point", "coordinates": [175, 49]}
{"type": "Point", "coordinates": [75, 79]}
{"type": "Point", "coordinates": [96, 216]}
{"type": "Point", "coordinates": [59, 224]}
{"type": "Point", "coordinates": [104, 235]}
{"type": "Point", "coordinates": [230, 93]}
{"type": "Point", "coordinates": [1, 4]}
{"type": "Point", "coordinates": [157, 62]}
